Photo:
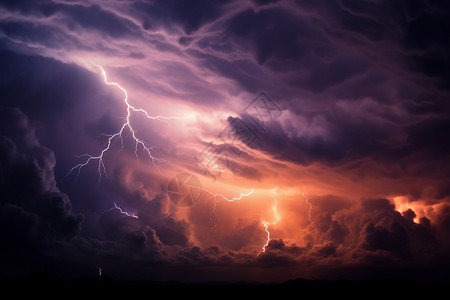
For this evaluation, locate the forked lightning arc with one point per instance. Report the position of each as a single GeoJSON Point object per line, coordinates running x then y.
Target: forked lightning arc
{"type": "Point", "coordinates": [117, 207]}
{"type": "Point", "coordinates": [215, 196]}
{"type": "Point", "coordinates": [138, 143]}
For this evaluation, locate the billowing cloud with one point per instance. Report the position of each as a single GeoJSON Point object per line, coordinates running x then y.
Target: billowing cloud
{"type": "Point", "coordinates": [35, 214]}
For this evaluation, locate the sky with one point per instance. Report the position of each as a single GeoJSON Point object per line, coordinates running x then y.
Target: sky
{"type": "Point", "coordinates": [255, 140]}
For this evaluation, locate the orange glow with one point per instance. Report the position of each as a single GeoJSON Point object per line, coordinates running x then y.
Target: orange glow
{"type": "Point", "coordinates": [402, 204]}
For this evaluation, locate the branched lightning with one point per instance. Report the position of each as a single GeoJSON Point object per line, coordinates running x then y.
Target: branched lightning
{"type": "Point", "coordinates": [117, 207]}
{"type": "Point", "coordinates": [138, 143]}
{"type": "Point", "coordinates": [229, 199]}
{"type": "Point", "coordinates": [266, 224]}
{"type": "Point", "coordinates": [310, 205]}
{"type": "Point", "coordinates": [215, 196]}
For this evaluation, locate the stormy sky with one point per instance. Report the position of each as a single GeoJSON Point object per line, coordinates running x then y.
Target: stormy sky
{"type": "Point", "coordinates": [318, 131]}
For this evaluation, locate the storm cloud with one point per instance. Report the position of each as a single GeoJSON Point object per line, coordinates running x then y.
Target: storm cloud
{"type": "Point", "coordinates": [361, 126]}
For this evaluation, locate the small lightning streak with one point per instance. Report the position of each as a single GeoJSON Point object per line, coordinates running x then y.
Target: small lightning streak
{"type": "Point", "coordinates": [310, 205]}
{"type": "Point", "coordinates": [117, 207]}
{"type": "Point", "coordinates": [228, 199]}
{"type": "Point", "coordinates": [215, 196]}
{"type": "Point", "coordinates": [138, 143]}
{"type": "Point", "coordinates": [266, 224]}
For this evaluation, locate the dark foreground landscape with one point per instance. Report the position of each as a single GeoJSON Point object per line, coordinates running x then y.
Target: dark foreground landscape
{"type": "Point", "coordinates": [49, 281]}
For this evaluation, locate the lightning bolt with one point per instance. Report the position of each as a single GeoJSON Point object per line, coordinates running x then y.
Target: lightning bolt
{"type": "Point", "coordinates": [310, 205]}
{"type": "Point", "coordinates": [228, 199]}
{"type": "Point", "coordinates": [266, 224]}
{"type": "Point", "coordinates": [117, 207]}
{"type": "Point", "coordinates": [215, 196]}
{"type": "Point", "coordinates": [138, 143]}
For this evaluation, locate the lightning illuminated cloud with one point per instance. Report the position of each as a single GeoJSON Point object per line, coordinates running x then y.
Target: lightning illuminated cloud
{"type": "Point", "coordinates": [121, 211]}
{"type": "Point", "coordinates": [266, 224]}
{"type": "Point", "coordinates": [138, 143]}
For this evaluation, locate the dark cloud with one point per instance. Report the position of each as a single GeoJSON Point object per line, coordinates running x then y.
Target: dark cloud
{"type": "Point", "coordinates": [329, 229]}
{"type": "Point", "coordinates": [264, 2]}
{"type": "Point", "coordinates": [34, 213]}
{"type": "Point", "coordinates": [343, 137]}
{"type": "Point", "coordinates": [94, 17]}
{"type": "Point", "coordinates": [137, 192]}
{"type": "Point", "coordinates": [189, 16]}
{"type": "Point", "coordinates": [45, 96]}
{"type": "Point", "coordinates": [73, 17]}
{"type": "Point", "coordinates": [393, 239]}
{"type": "Point", "coordinates": [348, 137]}
{"type": "Point", "coordinates": [381, 228]}
{"type": "Point", "coordinates": [273, 34]}
{"type": "Point", "coordinates": [27, 7]}
{"type": "Point", "coordinates": [351, 73]}
{"type": "Point", "coordinates": [46, 35]}
{"type": "Point", "coordinates": [426, 33]}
